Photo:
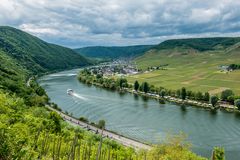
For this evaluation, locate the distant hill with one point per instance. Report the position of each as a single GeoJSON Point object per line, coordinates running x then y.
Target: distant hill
{"type": "Point", "coordinates": [182, 49]}
{"type": "Point", "coordinates": [199, 44]}
{"type": "Point", "coordinates": [36, 55]}
{"type": "Point", "coordinates": [113, 52]}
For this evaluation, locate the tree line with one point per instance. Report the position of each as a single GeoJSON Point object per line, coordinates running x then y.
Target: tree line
{"type": "Point", "coordinates": [226, 95]}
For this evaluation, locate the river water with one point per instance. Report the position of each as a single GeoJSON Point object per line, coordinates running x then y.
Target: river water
{"type": "Point", "coordinates": [145, 119]}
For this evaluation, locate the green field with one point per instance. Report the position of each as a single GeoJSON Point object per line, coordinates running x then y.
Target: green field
{"type": "Point", "coordinates": [197, 71]}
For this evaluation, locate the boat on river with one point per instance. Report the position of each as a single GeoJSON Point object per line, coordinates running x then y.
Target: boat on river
{"type": "Point", "coordinates": [69, 91]}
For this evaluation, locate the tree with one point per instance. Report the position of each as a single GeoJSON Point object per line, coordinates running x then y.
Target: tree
{"type": "Point", "coordinates": [145, 87]}
{"type": "Point", "coordinates": [56, 126]}
{"type": "Point", "coordinates": [101, 125]}
{"type": "Point", "coordinates": [183, 93]}
{"type": "Point", "coordinates": [213, 100]}
{"type": "Point", "coordinates": [237, 103]}
{"type": "Point", "coordinates": [152, 89]}
{"type": "Point", "coordinates": [40, 91]}
{"type": "Point", "coordinates": [178, 93]}
{"type": "Point", "coordinates": [230, 99]}
{"type": "Point", "coordinates": [122, 82]}
{"type": "Point", "coordinates": [99, 76]}
{"type": "Point", "coordinates": [162, 93]}
{"type": "Point", "coordinates": [189, 94]}
{"type": "Point", "coordinates": [199, 96]}
{"type": "Point", "coordinates": [226, 93]}
{"type": "Point", "coordinates": [136, 86]}
{"type": "Point", "coordinates": [206, 96]}
{"type": "Point", "coordinates": [218, 154]}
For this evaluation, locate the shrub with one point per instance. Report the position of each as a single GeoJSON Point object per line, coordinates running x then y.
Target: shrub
{"type": "Point", "coordinates": [226, 93]}
{"type": "Point", "coordinates": [237, 103]}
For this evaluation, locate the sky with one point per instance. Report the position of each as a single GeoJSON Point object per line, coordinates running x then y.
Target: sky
{"type": "Point", "coordinates": [79, 23]}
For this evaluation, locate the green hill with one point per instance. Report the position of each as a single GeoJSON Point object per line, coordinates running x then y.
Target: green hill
{"type": "Point", "coordinates": [36, 55]}
{"type": "Point", "coordinates": [192, 63]}
{"type": "Point", "coordinates": [199, 44]}
{"type": "Point", "coordinates": [113, 52]}
{"type": "Point", "coordinates": [22, 55]}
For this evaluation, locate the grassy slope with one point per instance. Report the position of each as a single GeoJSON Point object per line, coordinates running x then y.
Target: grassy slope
{"type": "Point", "coordinates": [191, 67]}
{"type": "Point", "coordinates": [35, 54]}
{"type": "Point", "coordinates": [113, 52]}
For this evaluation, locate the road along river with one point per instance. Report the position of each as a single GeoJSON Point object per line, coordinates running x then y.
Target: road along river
{"type": "Point", "coordinates": [145, 119]}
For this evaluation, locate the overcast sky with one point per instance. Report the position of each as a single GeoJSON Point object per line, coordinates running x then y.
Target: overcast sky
{"type": "Point", "coordinates": [77, 23]}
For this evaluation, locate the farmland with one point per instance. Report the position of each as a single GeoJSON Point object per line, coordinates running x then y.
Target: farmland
{"type": "Point", "coordinates": [197, 71]}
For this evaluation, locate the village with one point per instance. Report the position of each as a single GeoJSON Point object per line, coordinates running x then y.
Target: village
{"type": "Point", "coordinates": [115, 68]}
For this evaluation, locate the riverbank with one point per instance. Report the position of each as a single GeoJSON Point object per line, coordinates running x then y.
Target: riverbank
{"type": "Point", "coordinates": [106, 133]}
{"type": "Point", "coordinates": [193, 103]}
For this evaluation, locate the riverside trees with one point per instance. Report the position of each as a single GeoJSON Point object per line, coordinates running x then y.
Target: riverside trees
{"type": "Point", "coordinates": [213, 100]}
{"type": "Point", "coordinates": [145, 87]}
{"type": "Point", "coordinates": [226, 93]}
{"type": "Point", "coordinates": [237, 103]}
{"type": "Point", "coordinates": [87, 77]}
{"type": "Point", "coordinates": [136, 85]}
{"type": "Point", "coordinates": [183, 93]}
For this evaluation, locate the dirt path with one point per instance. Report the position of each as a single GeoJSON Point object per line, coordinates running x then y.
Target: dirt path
{"type": "Point", "coordinates": [218, 90]}
{"type": "Point", "coordinates": [123, 140]}
{"type": "Point", "coordinates": [29, 81]}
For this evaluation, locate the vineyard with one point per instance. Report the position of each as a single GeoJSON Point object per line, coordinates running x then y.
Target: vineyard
{"type": "Point", "coordinates": [37, 133]}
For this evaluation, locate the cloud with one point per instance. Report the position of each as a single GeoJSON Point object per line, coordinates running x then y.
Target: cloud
{"type": "Point", "coordinates": [76, 23]}
{"type": "Point", "coordinates": [204, 15]}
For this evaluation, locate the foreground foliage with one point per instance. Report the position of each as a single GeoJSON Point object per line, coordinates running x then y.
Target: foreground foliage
{"type": "Point", "coordinates": [36, 133]}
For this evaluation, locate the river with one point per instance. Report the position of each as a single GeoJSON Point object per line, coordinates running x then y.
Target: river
{"type": "Point", "coordinates": [145, 119]}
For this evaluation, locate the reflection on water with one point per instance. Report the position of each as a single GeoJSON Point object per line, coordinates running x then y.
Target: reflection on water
{"type": "Point", "coordinates": [145, 98]}
{"type": "Point", "coordinates": [143, 118]}
{"type": "Point", "coordinates": [136, 97]}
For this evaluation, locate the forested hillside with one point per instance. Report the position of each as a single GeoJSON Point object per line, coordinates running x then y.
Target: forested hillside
{"type": "Point", "coordinates": [113, 52]}
{"type": "Point", "coordinates": [36, 55]}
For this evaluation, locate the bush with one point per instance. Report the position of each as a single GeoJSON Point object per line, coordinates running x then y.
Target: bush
{"type": "Point", "coordinates": [214, 100]}
{"type": "Point", "coordinates": [225, 94]}
{"type": "Point", "coordinates": [83, 119]}
{"type": "Point", "coordinates": [206, 97]}
{"type": "Point", "coordinates": [162, 93]}
{"type": "Point", "coordinates": [218, 154]}
{"type": "Point", "coordinates": [230, 99]}
{"type": "Point", "coordinates": [237, 103]}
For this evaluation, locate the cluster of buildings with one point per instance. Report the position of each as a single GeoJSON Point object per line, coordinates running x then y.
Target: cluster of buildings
{"type": "Point", "coordinates": [118, 67]}
{"type": "Point", "coordinates": [225, 68]}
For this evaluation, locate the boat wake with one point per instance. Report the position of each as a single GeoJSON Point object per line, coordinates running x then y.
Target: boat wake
{"type": "Point", "coordinates": [63, 75]}
{"type": "Point", "coordinates": [78, 96]}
